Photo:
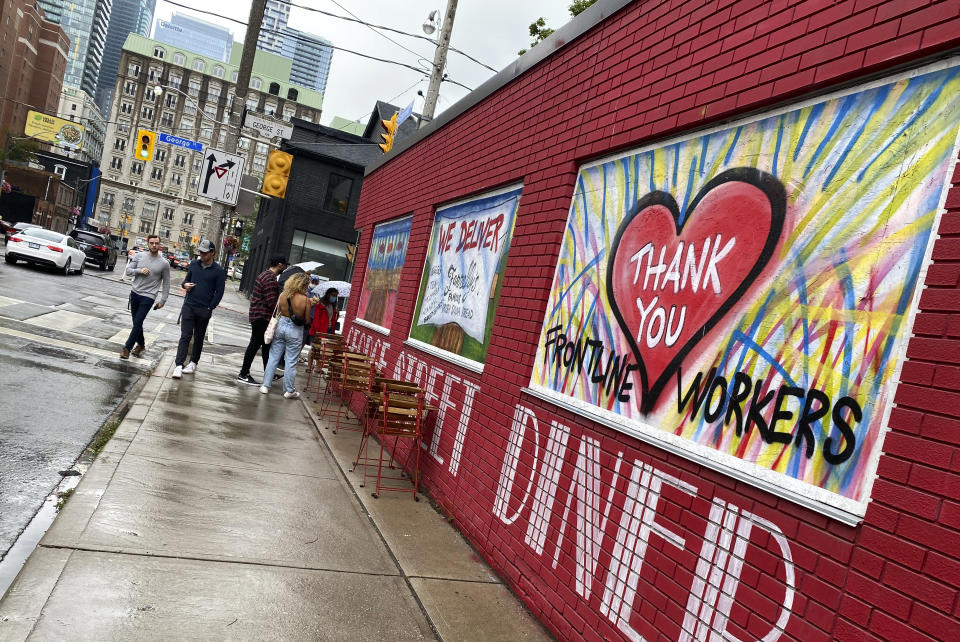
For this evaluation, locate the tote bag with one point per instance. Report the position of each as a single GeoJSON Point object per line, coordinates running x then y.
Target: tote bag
{"type": "Point", "coordinates": [272, 326]}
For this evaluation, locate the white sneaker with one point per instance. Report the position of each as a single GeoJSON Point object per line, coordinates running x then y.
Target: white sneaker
{"type": "Point", "coordinates": [264, 389]}
{"type": "Point", "coordinates": [177, 372]}
{"type": "Point", "coordinates": [295, 394]}
{"type": "Point", "coordinates": [190, 368]}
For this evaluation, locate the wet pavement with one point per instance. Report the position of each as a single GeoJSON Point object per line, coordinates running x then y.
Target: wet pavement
{"type": "Point", "coordinates": [61, 376]}
{"type": "Point", "coordinates": [216, 512]}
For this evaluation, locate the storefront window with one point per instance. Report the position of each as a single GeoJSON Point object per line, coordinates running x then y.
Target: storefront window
{"type": "Point", "coordinates": [330, 252]}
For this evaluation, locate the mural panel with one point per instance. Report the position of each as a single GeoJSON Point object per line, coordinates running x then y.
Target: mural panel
{"type": "Point", "coordinates": [462, 276]}
{"type": "Point", "coordinates": [388, 251]}
{"type": "Point", "coordinates": [741, 297]}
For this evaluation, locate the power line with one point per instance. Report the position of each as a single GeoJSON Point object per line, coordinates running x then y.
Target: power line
{"type": "Point", "coordinates": [350, 51]}
{"type": "Point", "coordinates": [371, 25]}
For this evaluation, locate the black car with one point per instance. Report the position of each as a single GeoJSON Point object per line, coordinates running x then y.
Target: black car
{"type": "Point", "coordinates": [99, 248]}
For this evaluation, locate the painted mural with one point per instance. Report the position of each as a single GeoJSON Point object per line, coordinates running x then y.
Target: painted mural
{"type": "Point", "coordinates": [388, 251]}
{"type": "Point", "coordinates": [740, 296]}
{"type": "Point", "coordinates": [462, 276]}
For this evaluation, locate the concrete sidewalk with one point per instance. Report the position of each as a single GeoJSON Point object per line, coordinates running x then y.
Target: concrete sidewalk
{"type": "Point", "coordinates": [216, 512]}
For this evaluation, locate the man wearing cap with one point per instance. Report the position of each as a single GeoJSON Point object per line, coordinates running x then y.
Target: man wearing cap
{"type": "Point", "coordinates": [205, 282]}
{"type": "Point", "coordinates": [266, 291]}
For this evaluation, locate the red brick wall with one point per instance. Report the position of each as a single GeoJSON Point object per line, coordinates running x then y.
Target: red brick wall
{"type": "Point", "coordinates": [650, 70]}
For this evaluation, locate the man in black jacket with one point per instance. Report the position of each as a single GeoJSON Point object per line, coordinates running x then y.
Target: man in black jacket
{"type": "Point", "coordinates": [204, 283]}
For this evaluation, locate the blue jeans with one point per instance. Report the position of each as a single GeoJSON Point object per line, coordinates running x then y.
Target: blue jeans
{"type": "Point", "coordinates": [139, 307]}
{"type": "Point", "coordinates": [288, 340]}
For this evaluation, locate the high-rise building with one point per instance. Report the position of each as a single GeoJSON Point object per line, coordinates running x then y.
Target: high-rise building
{"type": "Point", "coordinates": [52, 9]}
{"type": "Point", "coordinates": [276, 15]}
{"type": "Point", "coordinates": [33, 58]}
{"type": "Point", "coordinates": [195, 35]}
{"type": "Point", "coordinates": [127, 16]}
{"type": "Point", "coordinates": [311, 55]}
{"type": "Point", "coordinates": [160, 195]}
{"type": "Point", "coordinates": [78, 106]}
{"type": "Point", "coordinates": [85, 22]}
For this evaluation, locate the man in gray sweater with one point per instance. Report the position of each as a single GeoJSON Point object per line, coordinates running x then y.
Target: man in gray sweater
{"type": "Point", "coordinates": [151, 284]}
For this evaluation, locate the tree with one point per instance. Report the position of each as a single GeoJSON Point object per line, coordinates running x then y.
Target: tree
{"type": "Point", "coordinates": [539, 30]}
{"type": "Point", "coordinates": [17, 149]}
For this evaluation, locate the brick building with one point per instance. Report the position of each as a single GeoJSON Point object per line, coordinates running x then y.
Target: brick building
{"type": "Point", "coordinates": [689, 307]}
{"type": "Point", "coordinates": [39, 197]}
{"type": "Point", "coordinates": [33, 60]}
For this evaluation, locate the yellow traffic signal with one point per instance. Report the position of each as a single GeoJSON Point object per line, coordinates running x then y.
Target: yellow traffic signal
{"type": "Point", "coordinates": [277, 174]}
{"type": "Point", "coordinates": [390, 127]}
{"type": "Point", "coordinates": [143, 151]}
{"type": "Point", "coordinates": [351, 253]}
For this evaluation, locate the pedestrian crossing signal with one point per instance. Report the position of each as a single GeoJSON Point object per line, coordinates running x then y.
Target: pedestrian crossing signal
{"type": "Point", "coordinates": [390, 127]}
{"type": "Point", "coordinates": [277, 173]}
{"type": "Point", "coordinates": [146, 139]}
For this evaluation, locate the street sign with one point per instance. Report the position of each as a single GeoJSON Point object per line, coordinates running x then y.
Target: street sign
{"type": "Point", "coordinates": [267, 128]}
{"type": "Point", "coordinates": [180, 142]}
{"type": "Point", "coordinates": [220, 176]}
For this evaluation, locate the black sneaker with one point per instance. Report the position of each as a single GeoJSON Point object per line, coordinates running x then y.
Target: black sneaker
{"type": "Point", "coordinates": [277, 376]}
{"type": "Point", "coordinates": [247, 379]}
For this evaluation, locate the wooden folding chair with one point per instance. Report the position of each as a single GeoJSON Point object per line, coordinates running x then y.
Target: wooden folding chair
{"type": "Point", "coordinates": [373, 413]}
{"type": "Point", "coordinates": [399, 415]}
{"type": "Point", "coordinates": [355, 376]}
{"type": "Point", "coordinates": [326, 350]}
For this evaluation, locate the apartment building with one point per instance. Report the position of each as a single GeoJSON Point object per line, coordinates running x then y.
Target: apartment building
{"type": "Point", "coordinates": [160, 196]}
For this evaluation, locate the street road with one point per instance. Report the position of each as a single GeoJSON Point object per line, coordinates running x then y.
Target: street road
{"type": "Point", "coordinates": [61, 375]}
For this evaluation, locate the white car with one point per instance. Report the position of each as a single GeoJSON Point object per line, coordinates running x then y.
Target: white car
{"type": "Point", "coordinates": [45, 247]}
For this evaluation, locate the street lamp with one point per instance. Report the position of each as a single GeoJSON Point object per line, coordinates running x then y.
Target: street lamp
{"type": "Point", "coordinates": [439, 58]}
{"type": "Point", "coordinates": [430, 24]}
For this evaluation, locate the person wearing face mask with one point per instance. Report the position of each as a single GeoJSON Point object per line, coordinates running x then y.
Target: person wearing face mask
{"type": "Point", "coordinates": [326, 314]}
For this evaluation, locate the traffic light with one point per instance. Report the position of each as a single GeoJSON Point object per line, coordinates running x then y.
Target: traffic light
{"type": "Point", "coordinates": [277, 174]}
{"type": "Point", "coordinates": [145, 142]}
{"type": "Point", "coordinates": [238, 227]}
{"type": "Point", "coordinates": [390, 130]}
{"type": "Point", "coordinates": [352, 250]}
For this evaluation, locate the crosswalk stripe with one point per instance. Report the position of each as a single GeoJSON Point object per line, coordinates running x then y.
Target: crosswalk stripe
{"type": "Point", "coordinates": [58, 343]}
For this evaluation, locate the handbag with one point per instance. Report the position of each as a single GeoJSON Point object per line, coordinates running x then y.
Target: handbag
{"type": "Point", "coordinates": [272, 326]}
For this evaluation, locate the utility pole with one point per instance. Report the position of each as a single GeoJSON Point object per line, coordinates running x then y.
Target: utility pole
{"type": "Point", "coordinates": [439, 62]}
{"type": "Point", "coordinates": [219, 211]}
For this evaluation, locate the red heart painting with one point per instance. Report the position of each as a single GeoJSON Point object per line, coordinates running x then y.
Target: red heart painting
{"type": "Point", "coordinates": [670, 280]}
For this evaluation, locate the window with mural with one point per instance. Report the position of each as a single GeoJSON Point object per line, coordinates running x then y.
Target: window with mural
{"type": "Point", "coordinates": [742, 297]}
{"type": "Point", "coordinates": [388, 252]}
{"type": "Point", "coordinates": [463, 276]}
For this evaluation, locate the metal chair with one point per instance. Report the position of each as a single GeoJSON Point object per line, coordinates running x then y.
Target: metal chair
{"type": "Point", "coordinates": [356, 374]}
{"type": "Point", "coordinates": [399, 414]}
{"type": "Point", "coordinates": [373, 413]}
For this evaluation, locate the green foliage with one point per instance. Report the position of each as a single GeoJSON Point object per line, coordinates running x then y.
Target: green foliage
{"type": "Point", "coordinates": [18, 149]}
{"type": "Point", "coordinates": [539, 30]}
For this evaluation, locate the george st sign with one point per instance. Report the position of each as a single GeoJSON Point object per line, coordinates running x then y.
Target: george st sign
{"type": "Point", "coordinates": [267, 128]}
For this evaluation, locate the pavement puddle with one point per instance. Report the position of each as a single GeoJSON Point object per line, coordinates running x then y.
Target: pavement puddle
{"type": "Point", "coordinates": [27, 541]}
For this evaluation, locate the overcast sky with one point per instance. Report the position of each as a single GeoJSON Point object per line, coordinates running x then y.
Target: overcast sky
{"type": "Point", "coordinates": [491, 31]}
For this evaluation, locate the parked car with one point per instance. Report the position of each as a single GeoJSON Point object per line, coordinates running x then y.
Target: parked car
{"type": "Point", "coordinates": [135, 249]}
{"type": "Point", "coordinates": [45, 247]}
{"type": "Point", "coordinates": [181, 261]}
{"type": "Point", "coordinates": [7, 230]}
{"type": "Point", "coordinates": [99, 248]}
